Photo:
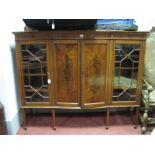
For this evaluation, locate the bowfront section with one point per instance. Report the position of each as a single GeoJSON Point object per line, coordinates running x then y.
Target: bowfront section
{"type": "Point", "coordinates": [94, 73]}
{"type": "Point", "coordinates": [66, 57]}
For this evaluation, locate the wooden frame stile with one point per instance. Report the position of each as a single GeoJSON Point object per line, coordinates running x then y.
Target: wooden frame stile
{"type": "Point", "coordinates": [140, 73]}
{"type": "Point", "coordinates": [50, 64]}
{"type": "Point", "coordinates": [107, 88]}
{"type": "Point", "coordinates": [110, 69]}
{"type": "Point", "coordinates": [54, 68]}
{"type": "Point", "coordinates": [107, 73]}
{"type": "Point", "coordinates": [21, 91]}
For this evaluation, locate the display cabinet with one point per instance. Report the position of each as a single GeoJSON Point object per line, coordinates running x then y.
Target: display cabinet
{"type": "Point", "coordinates": [80, 69]}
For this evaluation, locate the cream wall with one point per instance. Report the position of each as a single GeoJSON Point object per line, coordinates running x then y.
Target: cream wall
{"type": "Point", "coordinates": [145, 24]}
{"type": "Point", "coordinates": [8, 75]}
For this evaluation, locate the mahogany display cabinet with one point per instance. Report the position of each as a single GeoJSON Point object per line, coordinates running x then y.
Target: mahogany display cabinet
{"type": "Point", "coordinates": [80, 69]}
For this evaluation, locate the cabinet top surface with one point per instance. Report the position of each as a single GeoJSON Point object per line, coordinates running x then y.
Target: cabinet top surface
{"type": "Point", "coordinates": [81, 31]}
{"type": "Point", "coordinates": [77, 34]}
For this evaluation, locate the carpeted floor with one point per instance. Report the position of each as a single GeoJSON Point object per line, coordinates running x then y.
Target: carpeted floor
{"type": "Point", "coordinates": [80, 124]}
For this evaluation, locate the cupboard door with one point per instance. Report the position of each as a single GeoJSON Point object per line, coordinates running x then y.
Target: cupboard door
{"type": "Point", "coordinates": [66, 57]}
{"type": "Point", "coordinates": [33, 57]}
{"type": "Point", "coordinates": [127, 76]}
{"type": "Point", "coordinates": [94, 68]}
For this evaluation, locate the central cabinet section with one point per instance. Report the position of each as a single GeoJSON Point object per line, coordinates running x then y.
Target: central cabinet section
{"type": "Point", "coordinates": [80, 69]}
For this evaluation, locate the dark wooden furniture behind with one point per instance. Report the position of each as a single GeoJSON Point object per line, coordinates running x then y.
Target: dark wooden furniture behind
{"type": "Point", "coordinates": [80, 69]}
{"type": "Point", "coordinates": [147, 116]}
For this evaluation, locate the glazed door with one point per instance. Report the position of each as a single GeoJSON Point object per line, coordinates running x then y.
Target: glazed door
{"type": "Point", "coordinates": [128, 61]}
{"type": "Point", "coordinates": [67, 65]}
{"type": "Point", "coordinates": [93, 73]}
{"type": "Point", "coordinates": [33, 73]}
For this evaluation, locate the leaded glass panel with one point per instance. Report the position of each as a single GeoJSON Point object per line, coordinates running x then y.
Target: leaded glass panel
{"type": "Point", "coordinates": [34, 64]}
{"type": "Point", "coordinates": [126, 72]}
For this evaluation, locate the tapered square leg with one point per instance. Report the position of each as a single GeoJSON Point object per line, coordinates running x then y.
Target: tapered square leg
{"type": "Point", "coordinates": [107, 118]}
{"type": "Point", "coordinates": [24, 118]}
{"type": "Point", "coordinates": [53, 119]}
{"type": "Point", "coordinates": [136, 117]}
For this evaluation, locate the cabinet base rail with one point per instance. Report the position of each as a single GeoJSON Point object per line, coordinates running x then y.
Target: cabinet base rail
{"type": "Point", "coordinates": [53, 125]}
